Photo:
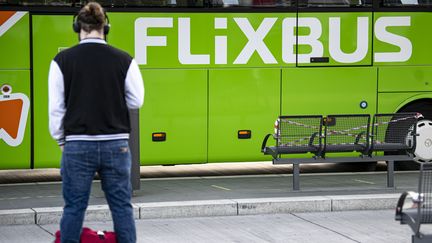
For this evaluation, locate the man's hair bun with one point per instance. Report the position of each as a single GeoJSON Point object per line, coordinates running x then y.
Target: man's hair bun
{"type": "Point", "coordinates": [91, 17]}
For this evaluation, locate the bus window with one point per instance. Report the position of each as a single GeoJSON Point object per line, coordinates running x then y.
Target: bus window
{"type": "Point", "coordinates": [159, 3]}
{"type": "Point", "coordinates": [133, 3]}
{"type": "Point", "coordinates": [392, 2]}
{"type": "Point", "coordinates": [406, 3]}
{"type": "Point", "coordinates": [164, 3]}
{"type": "Point", "coordinates": [40, 2]}
{"type": "Point", "coordinates": [425, 2]}
{"type": "Point", "coordinates": [50, 3]}
{"type": "Point", "coordinates": [188, 3]}
{"type": "Point", "coordinates": [335, 3]}
{"type": "Point", "coordinates": [250, 3]}
{"type": "Point", "coordinates": [110, 3]}
{"type": "Point", "coordinates": [328, 3]}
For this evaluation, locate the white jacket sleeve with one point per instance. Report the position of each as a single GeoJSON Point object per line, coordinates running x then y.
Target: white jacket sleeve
{"type": "Point", "coordinates": [134, 87]}
{"type": "Point", "coordinates": [56, 103]}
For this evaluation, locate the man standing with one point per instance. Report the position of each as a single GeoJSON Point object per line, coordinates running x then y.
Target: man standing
{"type": "Point", "coordinates": [91, 87]}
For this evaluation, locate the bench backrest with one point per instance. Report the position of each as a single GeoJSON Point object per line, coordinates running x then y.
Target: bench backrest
{"type": "Point", "coordinates": [391, 132]}
{"type": "Point", "coordinates": [347, 132]}
{"type": "Point", "coordinates": [299, 131]}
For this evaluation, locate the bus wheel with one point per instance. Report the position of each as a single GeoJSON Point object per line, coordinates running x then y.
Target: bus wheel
{"type": "Point", "coordinates": [425, 108]}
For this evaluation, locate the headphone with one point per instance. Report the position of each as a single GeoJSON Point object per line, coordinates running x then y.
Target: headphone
{"type": "Point", "coordinates": [76, 26]}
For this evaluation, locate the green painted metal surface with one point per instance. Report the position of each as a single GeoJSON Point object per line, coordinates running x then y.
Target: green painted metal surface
{"type": "Point", "coordinates": [50, 35]}
{"type": "Point", "coordinates": [208, 75]}
{"type": "Point", "coordinates": [175, 103]}
{"type": "Point", "coordinates": [327, 91]}
{"type": "Point", "coordinates": [405, 79]}
{"type": "Point", "coordinates": [324, 91]}
{"type": "Point", "coordinates": [241, 99]}
{"type": "Point", "coordinates": [15, 148]}
{"type": "Point", "coordinates": [392, 102]}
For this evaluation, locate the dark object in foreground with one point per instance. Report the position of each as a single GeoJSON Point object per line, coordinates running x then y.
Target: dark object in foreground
{"type": "Point", "coordinates": [417, 210]}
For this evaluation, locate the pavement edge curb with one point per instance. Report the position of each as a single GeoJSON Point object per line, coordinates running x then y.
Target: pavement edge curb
{"type": "Point", "coordinates": [209, 208]}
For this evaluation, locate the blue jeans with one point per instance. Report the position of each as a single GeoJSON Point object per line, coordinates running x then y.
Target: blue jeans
{"type": "Point", "coordinates": [80, 161]}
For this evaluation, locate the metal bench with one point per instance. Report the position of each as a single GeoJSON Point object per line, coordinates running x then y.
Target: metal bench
{"type": "Point", "coordinates": [417, 210]}
{"type": "Point", "coordinates": [343, 133]}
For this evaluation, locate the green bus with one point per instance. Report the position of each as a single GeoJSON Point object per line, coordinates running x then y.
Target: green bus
{"type": "Point", "coordinates": [217, 70]}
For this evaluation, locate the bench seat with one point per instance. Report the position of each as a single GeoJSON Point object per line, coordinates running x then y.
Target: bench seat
{"type": "Point", "coordinates": [345, 147]}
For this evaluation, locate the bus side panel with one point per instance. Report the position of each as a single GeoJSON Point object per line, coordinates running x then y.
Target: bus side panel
{"type": "Point", "coordinates": [350, 43]}
{"type": "Point", "coordinates": [51, 34]}
{"type": "Point", "coordinates": [175, 103]}
{"type": "Point", "coordinates": [406, 38]}
{"type": "Point", "coordinates": [15, 101]}
{"type": "Point", "coordinates": [241, 99]}
{"type": "Point", "coordinates": [405, 79]}
{"type": "Point", "coordinates": [324, 91]}
{"type": "Point", "coordinates": [392, 102]}
{"type": "Point", "coordinates": [15, 120]}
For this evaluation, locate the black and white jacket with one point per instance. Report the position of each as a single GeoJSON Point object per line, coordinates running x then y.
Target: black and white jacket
{"type": "Point", "coordinates": [91, 87]}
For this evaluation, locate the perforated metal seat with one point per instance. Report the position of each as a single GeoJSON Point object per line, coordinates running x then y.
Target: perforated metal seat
{"type": "Point", "coordinates": [296, 135]}
{"type": "Point", "coordinates": [346, 133]}
{"type": "Point", "coordinates": [297, 149]}
{"type": "Point", "coordinates": [390, 132]}
{"type": "Point", "coordinates": [299, 134]}
{"type": "Point", "coordinates": [391, 147]}
{"type": "Point", "coordinates": [345, 147]}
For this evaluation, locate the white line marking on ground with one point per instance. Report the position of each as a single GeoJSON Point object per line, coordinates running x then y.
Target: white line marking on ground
{"type": "Point", "coordinates": [362, 181]}
{"type": "Point", "coordinates": [220, 187]}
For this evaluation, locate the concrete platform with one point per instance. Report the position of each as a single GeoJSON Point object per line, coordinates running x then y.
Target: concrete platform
{"type": "Point", "coordinates": [37, 195]}
{"type": "Point", "coordinates": [257, 207]}
{"type": "Point", "coordinates": [41, 202]}
{"type": "Point", "coordinates": [208, 208]}
{"type": "Point", "coordinates": [332, 227]}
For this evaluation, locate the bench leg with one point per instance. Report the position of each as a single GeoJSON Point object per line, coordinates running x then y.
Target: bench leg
{"type": "Point", "coordinates": [296, 177]}
{"type": "Point", "coordinates": [424, 239]}
{"type": "Point", "coordinates": [390, 173]}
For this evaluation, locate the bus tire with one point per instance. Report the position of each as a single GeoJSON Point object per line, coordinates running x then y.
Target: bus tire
{"type": "Point", "coordinates": [425, 108]}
